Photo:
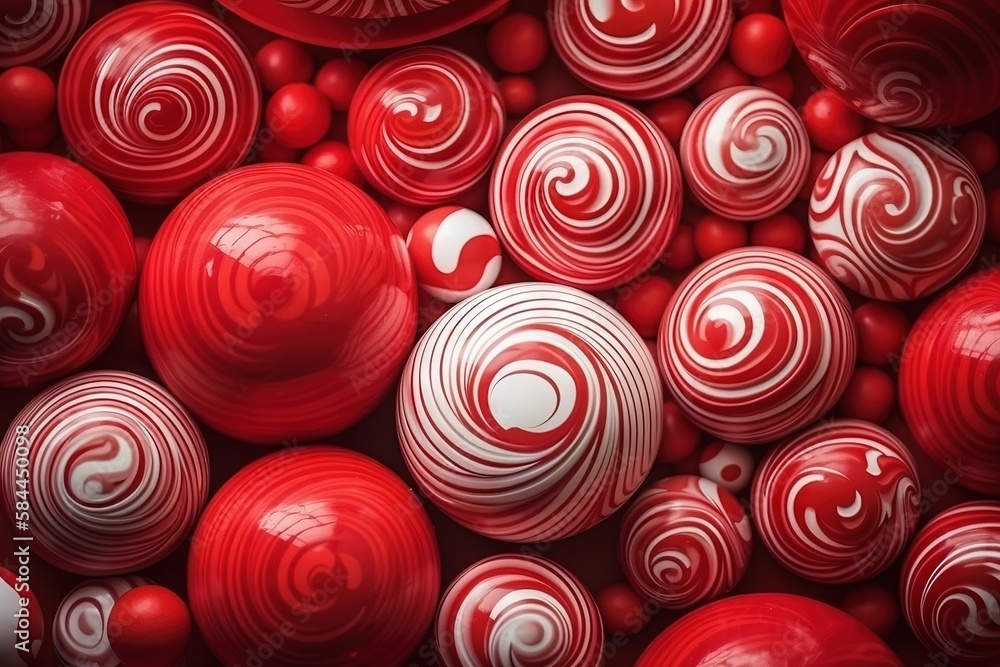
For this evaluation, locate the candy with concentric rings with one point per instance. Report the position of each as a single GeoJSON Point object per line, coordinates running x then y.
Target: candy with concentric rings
{"type": "Point", "coordinates": [530, 412]}
{"type": "Point", "coordinates": [321, 547]}
{"type": "Point", "coordinates": [745, 153]}
{"type": "Point", "coordinates": [425, 125]}
{"type": "Point", "coordinates": [21, 620]}
{"type": "Point", "coordinates": [837, 503]}
{"type": "Point", "coordinates": [756, 344]}
{"type": "Point", "coordinates": [365, 9]}
{"type": "Point", "coordinates": [518, 610]}
{"type": "Point", "coordinates": [640, 50]}
{"type": "Point", "coordinates": [586, 192]}
{"type": "Point", "coordinates": [157, 98]}
{"type": "Point", "coordinates": [38, 32]}
{"type": "Point", "coordinates": [896, 215]}
{"type": "Point", "coordinates": [80, 628]}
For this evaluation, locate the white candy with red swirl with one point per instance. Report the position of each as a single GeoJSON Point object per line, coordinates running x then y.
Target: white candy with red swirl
{"type": "Point", "coordinates": [518, 610]}
{"type": "Point", "coordinates": [39, 31]}
{"type": "Point", "coordinates": [80, 629]}
{"type": "Point", "coordinates": [530, 412]}
{"type": "Point", "coordinates": [729, 465]}
{"type": "Point", "coordinates": [745, 153]}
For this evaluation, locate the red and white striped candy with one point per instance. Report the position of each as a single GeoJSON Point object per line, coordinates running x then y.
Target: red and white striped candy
{"type": "Point", "coordinates": [365, 9]}
{"type": "Point", "coordinates": [80, 628]}
{"type": "Point", "coordinates": [39, 31]}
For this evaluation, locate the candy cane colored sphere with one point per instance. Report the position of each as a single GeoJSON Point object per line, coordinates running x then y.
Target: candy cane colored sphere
{"type": "Point", "coordinates": [586, 192]}
{"type": "Point", "coordinates": [948, 381]}
{"type": "Point", "coordinates": [16, 603]}
{"type": "Point", "coordinates": [757, 344]}
{"type": "Point", "coordinates": [365, 9]}
{"type": "Point", "coordinates": [67, 268]}
{"type": "Point", "coordinates": [149, 626]}
{"type": "Point", "coordinates": [729, 465]}
{"type": "Point", "coordinates": [896, 216]}
{"type": "Point", "coordinates": [157, 98]}
{"type": "Point", "coordinates": [516, 609]}
{"type": "Point", "coordinates": [322, 547]}
{"type": "Point", "coordinates": [684, 541]}
{"type": "Point", "coordinates": [948, 585]}
{"type": "Point", "coordinates": [80, 628]}
{"type": "Point", "coordinates": [530, 412]}
{"type": "Point", "coordinates": [640, 51]}
{"type": "Point", "coordinates": [425, 125]}
{"type": "Point", "coordinates": [838, 503]}
{"type": "Point", "coordinates": [278, 302]}
{"type": "Point", "coordinates": [745, 153]}
{"type": "Point", "coordinates": [38, 32]}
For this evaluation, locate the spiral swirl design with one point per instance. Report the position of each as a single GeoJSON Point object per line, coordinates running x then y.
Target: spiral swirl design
{"type": "Point", "coordinates": [948, 381]}
{"type": "Point", "coordinates": [586, 192]}
{"type": "Point", "coordinates": [80, 628]}
{"type": "Point", "coordinates": [157, 98]}
{"type": "Point", "coordinates": [838, 503]}
{"type": "Point", "coordinates": [41, 32]}
{"type": "Point", "coordinates": [640, 50]}
{"type": "Point", "coordinates": [365, 9]}
{"type": "Point", "coordinates": [530, 412]}
{"type": "Point", "coordinates": [745, 153]}
{"type": "Point", "coordinates": [324, 549]}
{"type": "Point", "coordinates": [756, 344]}
{"type": "Point", "coordinates": [684, 541]}
{"type": "Point", "coordinates": [425, 125]}
{"type": "Point", "coordinates": [12, 601]}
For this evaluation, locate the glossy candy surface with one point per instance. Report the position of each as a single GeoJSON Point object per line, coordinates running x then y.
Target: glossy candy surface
{"type": "Point", "coordinates": [729, 465]}
{"type": "Point", "coordinates": [38, 32]}
{"type": "Point", "coordinates": [365, 9]}
{"type": "Point", "coordinates": [80, 628]}
{"type": "Point", "coordinates": [149, 626]}
{"type": "Point", "coordinates": [17, 602]}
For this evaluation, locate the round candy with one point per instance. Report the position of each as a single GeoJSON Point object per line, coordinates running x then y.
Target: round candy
{"type": "Point", "coordinates": [29, 97]}
{"type": "Point", "coordinates": [949, 583]}
{"type": "Point", "coordinates": [149, 626]}
{"type": "Point", "coordinates": [745, 153]}
{"type": "Point", "coordinates": [757, 344]}
{"type": "Point", "coordinates": [314, 556]}
{"type": "Point", "coordinates": [455, 253]}
{"type": "Point", "coordinates": [948, 382]}
{"type": "Point", "coordinates": [67, 268]}
{"type": "Point", "coordinates": [896, 216]}
{"type": "Point", "coordinates": [118, 472]}
{"type": "Point", "coordinates": [365, 9]}
{"type": "Point", "coordinates": [425, 125]}
{"type": "Point", "coordinates": [530, 412]}
{"type": "Point", "coordinates": [157, 98]}
{"type": "Point", "coordinates": [586, 192]}
{"type": "Point", "coordinates": [729, 465]}
{"type": "Point", "coordinates": [38, 32]}
{"type": "Point", "coordinates": [278, 302]}
{"type": "Point", "coordinates": [80, 629]}
{"type": "Point", "coordinates": [21, 620]}
{"type": "Point", "coordinates": [837, 503]}
{"type": "Point", "coordinates": [518, 610]}
{"type": "Point", "coordinates": [640, 50]}
{"type": "Point", "coordinates": [684, 541]}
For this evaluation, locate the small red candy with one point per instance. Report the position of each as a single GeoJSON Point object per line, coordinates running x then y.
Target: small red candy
{"type": "Point", "coordinates": [149, 626]}
{"type": "Point", "coordinates": [520, 94]}
{"type": "Point", "coordinates": [298, 115]}
{"type": "Point", "coordinates": [338, 80]}
{"type": "Point", "coordinates": [336, 158]}
{"type": "Point", "coordinates": [724, 74]}
{"type": "Point", "coordinates": [714, 235]}
{"type": "Point", "coordinates": [980, 149]}
{"type": "Point", "coordinates": [760, 44]}
{"type": "Point", "coordinates": [781, 83]}
{"type": "Point", "coordinates": [680, 253]}
{"type": "Point", "coordinates": [643, 301]}
{"type": "Point", "coordinates": [882, 330]}
{"type": "Point", "coordinates": [781, 230]}
{"type": "Point", "coordinates": [870, 395]}
{"type": "Point", "coordinates": [622, 609]}
{"type": "Point", "coordinates": [80, 627]}
{"type": "Point", "coordinates": [671, 115]}
{"type": "Point", "coordinates": [518, 43]}
{"type": "Point", "coordinates": [27, 97]}
{"type": "Point", "coordinates": [680, 437]}
{"type": "Point", "coordinates": [831, 123]}
{"type": "Point", "coordinates": [283, 61]}
{"type": "Point", "coordinates": [875, 606]}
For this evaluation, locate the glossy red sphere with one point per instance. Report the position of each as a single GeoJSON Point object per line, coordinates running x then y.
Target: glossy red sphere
{"type": "Point", "coordinates": [298, 115]}
{"type": "Point", "coordinates": [29, 97]}
{"type": "Point", "coordinates": [37, 33]}
{"type": "Point", "coordinates": [149, 626]}
{"type": "Point", "coordinates": [80, 629]}
{"type": "Point", "coordinates": [760, 44]}
{"type": "Point", "coordinates": [18, 603]}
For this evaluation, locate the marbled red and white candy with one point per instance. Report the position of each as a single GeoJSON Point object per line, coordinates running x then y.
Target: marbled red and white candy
{"type": "Point", "coordinates": [896, 216]}
{"type": "Point", "coordinates": [19, 613]}
{"type": "Point", "coordinates": [756, 344]}
{"type": "Point", "coordinates": [684, 541]}
{"type": "Point", "coordinates": [729, 465]}
{"type": "Point", "coordinates": [838, 503]}
{"type": "Point", "coordinates": [745, 153]}
{"type": "Point", "coordinates": [586, 192]}
{"type": "Point", "coordinates": [513, 610]}
{"type": "Point", "coordinates": [640, 50]}
{"type": "Point", "coordinates": [949, 584]}
{"type": "Point", "coordinates": [157, 98]}
{"type": "Point", "coordinates": [118, 472]}
{"type": "Point", "coordinates": [37, 32]}
{"type": "Point", "coordinates": [948, 381]}
{"type": "Point", "coordinates": [323, 547]}
{"type": "Point", "coordinates": [365, 9]}
{"type": "Point", "coordinates": [530, 412]}
{"type": "Point", "coordinates": [80, 628]}
{"type": "Point", "coordinates": [425, 125]}
{"type": "Point", "coordinates": [67, 268]}
{"type": "Point", "coordinates": [455, 253]}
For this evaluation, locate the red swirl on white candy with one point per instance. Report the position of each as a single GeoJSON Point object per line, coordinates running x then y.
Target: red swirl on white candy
{"type": "Point", "coordinates": [365, 9]}
{"type": "Point", "coordinates": [896, 216]}
{"type": "Point", "coordinates": [640, 50]}
{"type": "Point", "coordinates": [425, 125]}
{"type": "Point", "coordinates": [530, 412]}
{"type": "Point", "coordinates": [158, 97]}
{"type": "Point", "coordinates": [838, 503]}
{"type": "Point", "coordinates": [118, 472]}
{"type": "Point", "coordinates": [515, 611]}
{"type": "Point", "coordinates": [586, 192]}
{"type": "Point", "coordinates": [684, 541]}
{"type": "Point", "coordinates": [756, 344]}
{"type": "Point", "coordinates": [80, 628]}
{"type": "Point", "coordinates": [39, 31]}
{"type": "Point", "coordinates": [745, 153]}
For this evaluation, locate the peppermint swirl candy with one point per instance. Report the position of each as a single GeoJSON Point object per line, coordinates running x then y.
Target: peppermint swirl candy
{"type": "Point", "coordinates": [80, 628]}
{"type": "Point", "coordinates": [157, 98]}
{"type": "Point", "coordinates": [950, 580]}
{"type": "Point", "coordinates": [324, 543]}
{"type": "Point", "coordinates": [640, 50]}
{"type": "Point", "coordinates": [684, 541]}
{"type": "Point", "coordinates": [365, 9]}
{"type": "Point", "coordinates": [756, 344]}
{"type": "Point", "coordinates": [745, 153]}
{"type": "Point", "coordinates": [40, 31]}
{"type": "Point", "coordinates": [838, 503]}
{"type": "Point", "coordinates": [530, 412]}
{"type": "Point", "coordinates": [586, 192]}
{"type": "Point", "coordinates": [118, 471]}
{"type": "Point", "coordinates": [15, 602]}
{"type": "Point", "coordinates": [425, 125]}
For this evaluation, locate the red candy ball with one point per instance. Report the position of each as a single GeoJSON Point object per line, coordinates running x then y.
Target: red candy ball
{"type": "Point", "coordinates": [37, 33]}
{"type": "Point", "coordinates": [335, 158]}
{"type": "Point", "coordinates": [882, 330]}
{"type": "Point", "coordinates": [680, 253]}
{"type": "Point", "coordinates": [724, 74]}
{"type": "Point", "coordinates": [17, 601]}
{"type": "Point", "coordinates": [781, 230]}
{"type": "Point", "coordinates": [518, 43]}
{"type": "Point", "coordinates": [875, 606]}
{"type": "Point", "coordinates": [149, 626]}
{"type": "Point", "coordinates": [870, 395]}
{"type": "Point", "coordinates": [80, 631]}
{"type": "Point", "coordinates": [781, 83]}
{"type": "Point", "coordinates": [670, 116]}
{"type": "Point", "coordinates": [714, 235]}
{"type": "Point", "coordinates": [980, 149]}
{"type": "Point", "coordinates": [760, 44]}
{"type": "Point", "coordinates": [298, 115]}
{"type": "Point", "coordinates": [831, 123]}
{"type": "Point", "coordinates": [622, 610]}
{"type": "Point", "coordinates": [29, 97]}
{"type": "Point", "coordinates": [643, 302]}
{"type": "Point", "coordinates": [283, 61]}
{"type": "Point", "coordinates": [680, 437]}
{"type": "Point", "coordinates": [520, 94]}
{"type": "Point", "coordinates": [728, 465]}
{"type": "Point", "coordinates": [339, 79]}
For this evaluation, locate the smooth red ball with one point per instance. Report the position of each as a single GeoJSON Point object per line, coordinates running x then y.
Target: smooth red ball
{"type": "Point", "coordinates": [36, 137]}
{"type": "Point", "coordinates": [520, 94]}
{"type": "Point", "coordinates": [875, 606]}
{"type": "Point", "coordinates": [622, 609]}
{"type": "Point", "coordinates": [714, 235]}
{"type": "Point", "coordinates": [817, 161]}
{"type": "Point", "coordinates": [831, 124]}
{"type": "Point", "coordinates": [782, 230]}
{"type": "Point", "coordinates": [518, 43]}
{"type": "Point", "coordinates": [680, 253]}
{"type": "Point", "coordinates": [149, 626]}
{"type": "Point", "coordinates": [643, 302]}
{"type": "Point", "coordinates": [760, 44]}
{"type": "Point", "coordinates": [680, 437]}
{"type": "Point", "coordinates": [298, 115]}
{"type": "Point", "coordinates": [338, 80]}
{"type": "Point", "coordinates": [781, 83]}
{"type": "Point", "coordinates": [870, 395]}
{"type": "Point", "coordinates": [980, 149]}
{"type": "Point", "coordinates": [671, 115]}
{"type": "Point", "coordinates": [283, 61]}
{"type": "Point", "coordinates": [336, 158]}
{"type": "Point", "coordinates": [993, 215]}
{"type": "Point", "coordinates": [882, 330]}
{"type": "Point", "coordinates": [27, 97]}
{"type": "Point", "coordinates": [724, 74]}
{"type": "Point", "coordinates": [272, 151]}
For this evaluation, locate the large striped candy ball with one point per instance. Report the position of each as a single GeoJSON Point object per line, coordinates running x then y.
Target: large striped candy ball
{"type": "Point", "coordinates": [38, 32]}
{"type": "Point", "coordinates": [365, 9]}
{"type": "Point", "coordinates": [81, 625]}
